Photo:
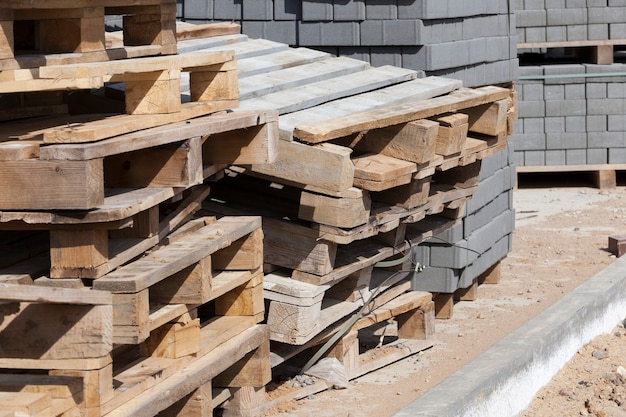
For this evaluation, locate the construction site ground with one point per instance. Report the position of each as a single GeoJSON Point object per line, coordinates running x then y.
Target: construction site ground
{"type": "Point", "coordinates": [560, 241]}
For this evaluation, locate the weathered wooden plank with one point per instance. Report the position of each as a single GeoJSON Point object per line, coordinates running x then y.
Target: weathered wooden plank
{"type": "Point", "coordinates": [330, 126]}
{"type": "Point", "coordinates": [204, 369]}
{"type": "Point", "coordinates": [106, 71]}
{"type": "Point", "coordinates": [175, 257]}
{"type": "Point", "coordinates": [250, 48]}
{"type": "Point", "coordinates": [277, 80]}
{"type": "Point", "coordinates": [75, 130]}
{"type": "Point", "coordinates": [315, 93]}
{"type": "Point", "coordinates": [36, 294]}
{"type": "Point", "coordinates": [161, 135]}
{"type": "Point", "coordinates": [364, 107]}
{"type": "Point", "coordinates": [274, 59]}
{"type": "Point", "coordinates": [186, 31]}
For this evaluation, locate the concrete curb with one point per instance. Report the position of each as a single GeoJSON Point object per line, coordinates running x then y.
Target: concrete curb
{"type": "Point", "coordinates": [504, 379]}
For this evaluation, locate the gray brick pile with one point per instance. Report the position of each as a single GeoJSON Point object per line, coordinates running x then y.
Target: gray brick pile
{"type": "Point", "coordinates": [575, 119]}
{"type": "Point", "coordinates": [473, 41]}
{"type": "Point", "coordinates": [486, 229]}
{"type": "Point", "coordinates": [570, 20]}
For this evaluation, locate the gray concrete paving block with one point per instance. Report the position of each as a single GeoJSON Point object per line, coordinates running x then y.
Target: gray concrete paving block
{"type": "Point", "coordinates": [534, 158]}
{"type": "Point", "coordinates": [453, 234]}
{"type": "Point", "coordinates": [377, 10]}
{"type": "Point", "coordinates": [287, 9]}
{"type": "Point", "coordinates": [317, 10]}
{"type": "Point", "coordinates": [616, 123]}
{"type": "Point", "coordinates": [576, 156]}
{"type": "Point", "coordinates": [605, 106]}
{"type": "Point", "coordinates": [617, 155]}
{"type": "Point", "coordinates": [444, 280]}
{"type": "Point", "coordinates": [597, 32]}
{"type": "Point", "coordinates": [279, 30]}
{"type": "Point", "coordinates": [566, 140]}
{"type": "Point", "coordinates": [531, 142]}
{"type": "Point", "coordinates": [575, 124]}
{"type": "Point", "coordinates": [257, 10]}
{"type": "Point", "coordinates": [555, 157]}
{"type": "Point", "coordinates": [329, 34]}
{"type": "Point", "coordinates": [606, 140]}
{"type": "Point", "coordinates": [227, 10]}
{"type": "Point", "coordinates": [532, 108]}
{"type": "Point", "coordinates": [200, 9]}
{"type": "Point", "coordinates": [380, 56]}
{"type": "Point", "coordinates": [597, 156]}
{"type": "Point", "coordinates": [598, 123]}
{"type": "Point", "coordinates": [455, 256]}
{"type": "Point", "coordinates": [486, 213]}
{"type": "Point", "coordinates": [349, 10]}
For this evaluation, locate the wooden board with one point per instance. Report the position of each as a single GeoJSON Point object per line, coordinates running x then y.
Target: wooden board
{"type": "Point", "coordinates": [331, 126]}
{"type": "Point", "coordinates": [315, 93]}
{"type": "Point", "coordinates": [203, 370]}
{"type": "Point", "coordinates": [161, 135]}
{"type": "Point", "coordinates": [367, 105]}
{"type": "Point", "coordinates": [293, 76]}
{"type": "Point", "coordinates": [170, 259]}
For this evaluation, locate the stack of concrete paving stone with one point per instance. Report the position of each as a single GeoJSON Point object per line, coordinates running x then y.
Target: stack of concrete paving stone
{"type": "Point", "coordinates": [569, 21]}
{"type": "Point", "coordinates": [471, 41]}
{"type": "Point", "coordinates": [571, 87]}
{"type": "Point", "coordinates": [457, 260]}
{"type": "Point", "coordinates": [574, 120]}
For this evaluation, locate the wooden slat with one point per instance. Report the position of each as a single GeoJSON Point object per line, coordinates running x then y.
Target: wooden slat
{"type": "Point", "coordinates": [121, 204]}
{"type": "Point", "coordinates": [36, 294]}
{"type": "Point", "coordinates": [333, 127]}
{"type": "Point", "coordinates": [161, 135]}
{"type": "Point", "coordinates": [170, 259]}
{"type": "Point", "coordinates": [109, 126]}
{"type": "Point", "coordinates": [203, 370]}
{"type": "Point", "coordinates": [366, 105]}
{"type": "Point", "coordinates": [275, 58]}
{"type": "Point", "coordinates": [280, 79]}
{"type": "Point", "coordinates": [105, 71]}
{"type": "Point", "coordinates": [190, 31]}
{"type": "Point", "coordinates": [316, 93]}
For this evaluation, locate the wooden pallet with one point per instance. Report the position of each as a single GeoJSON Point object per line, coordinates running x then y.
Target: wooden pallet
{"type": "Point", "coordinates": [604, 176]}
{"type": "Point", "coordinates": [601, 52]}
{"type": "Point", "coordinates": [119, 350]}
{"type": "Point", "coordinates": [220, 262]}
{"type": "Point", "coordinates": [35, 34]}
{"type": "Point", "coordinates": [76, 176]}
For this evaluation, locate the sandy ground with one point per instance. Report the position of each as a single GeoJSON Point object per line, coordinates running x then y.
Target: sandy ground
{"type": "Point", "coordinates": [560, 240]}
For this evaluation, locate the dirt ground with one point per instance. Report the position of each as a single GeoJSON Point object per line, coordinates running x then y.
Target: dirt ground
{"type": "Point", "coordinates": [561, 239]}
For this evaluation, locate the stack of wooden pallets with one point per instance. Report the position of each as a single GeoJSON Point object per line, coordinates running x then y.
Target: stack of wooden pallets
{"type": "Point", "coordinates": [371, 162]}
{"type": "Point", "coordinates": [237, 192]}
{"type": "Point", "coordinates": [114, 299]}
